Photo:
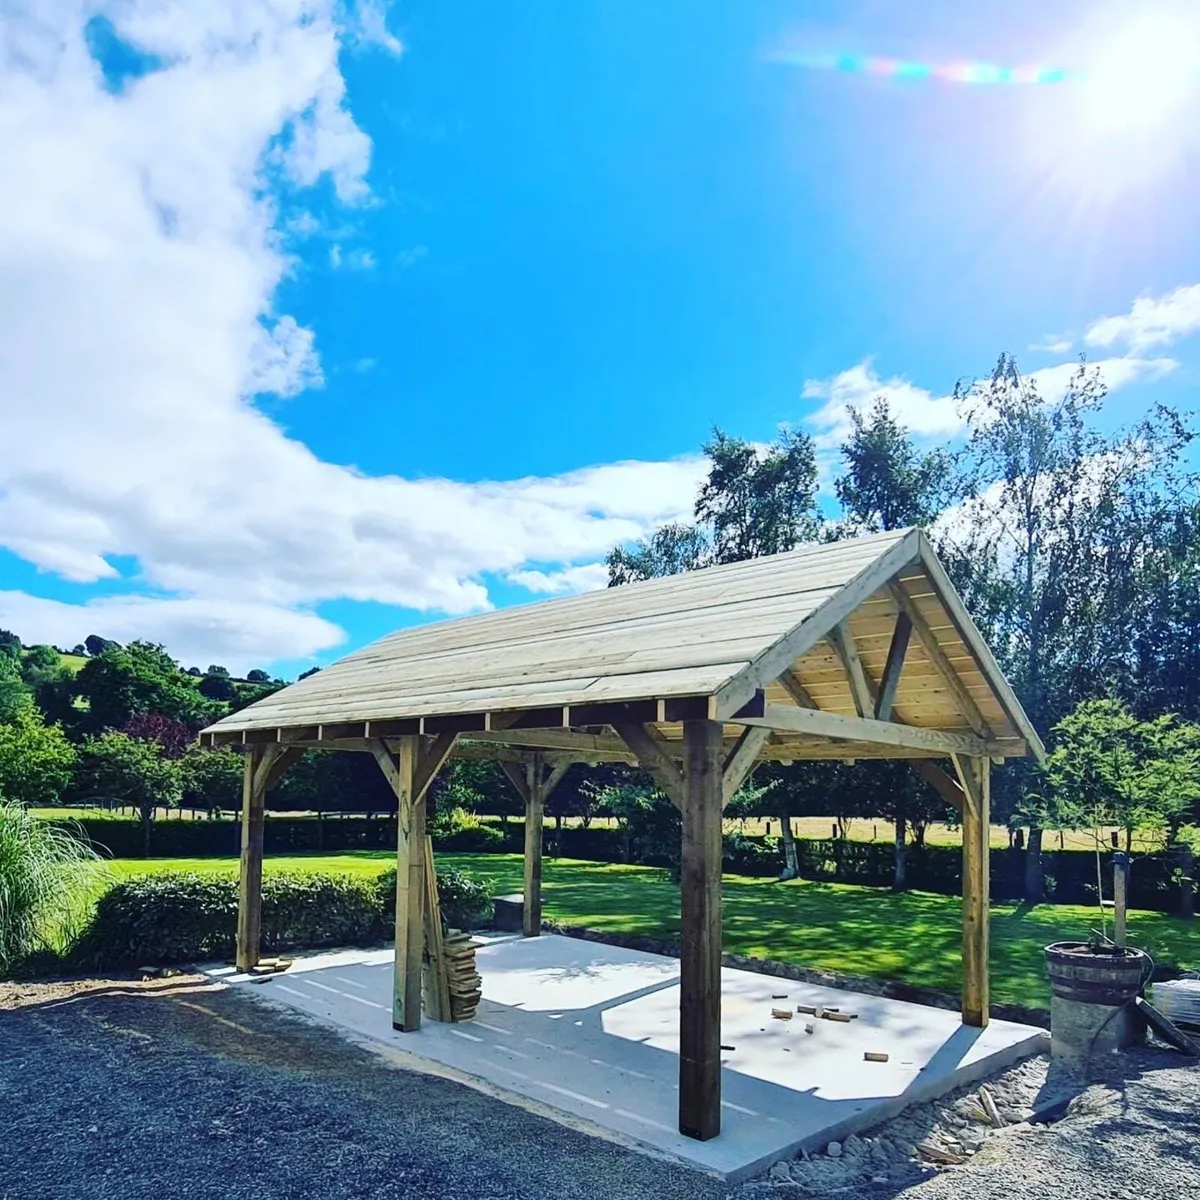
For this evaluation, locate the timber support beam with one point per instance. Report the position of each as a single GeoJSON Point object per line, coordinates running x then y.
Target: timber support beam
{"type": "Point", "coordinates": [263, 767]}
{"type": "Point", "coordinates": [974, 776]}
{"type": "Point", "coordinates": [410, 768]}
{"type": "Point", "coordinates": [700, 934]}
{"type": "Point", "coordinates": [534, 784]}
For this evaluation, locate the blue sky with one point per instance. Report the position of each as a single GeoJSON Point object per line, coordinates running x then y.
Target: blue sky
{"type": "Point", "coordinates": [321, 319]}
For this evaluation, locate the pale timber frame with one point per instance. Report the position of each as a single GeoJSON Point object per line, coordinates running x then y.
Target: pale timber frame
{"type": "Point", "coordinates": [854, 650]}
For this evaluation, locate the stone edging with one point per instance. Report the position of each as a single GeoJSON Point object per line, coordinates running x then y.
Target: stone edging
{"type": "Point", "coordinates": [834, 979]}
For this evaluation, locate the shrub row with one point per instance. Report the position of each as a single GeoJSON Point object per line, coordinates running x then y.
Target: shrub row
{"type": "Point", "coordinates": [1070, 874]}
{"type": "Point", "coordinates": [180, 917]}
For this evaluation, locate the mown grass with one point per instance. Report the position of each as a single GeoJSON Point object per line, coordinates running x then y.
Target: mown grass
{"type": "Point", "coordinates": [914, 938]}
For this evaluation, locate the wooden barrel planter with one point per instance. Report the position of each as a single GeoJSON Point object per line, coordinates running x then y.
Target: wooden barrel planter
{"type": "Point", "coordinates": [1087, 974]}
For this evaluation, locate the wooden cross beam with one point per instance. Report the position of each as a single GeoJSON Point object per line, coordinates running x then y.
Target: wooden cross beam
{"type": "Point", "coordinates": [885, 698]}
{"type": "Point", "coordinates": [652, 755]}
{"type": "Point", "coordinates": [862, 729]}
{"type": "Point", "coordinates": [941, 662]}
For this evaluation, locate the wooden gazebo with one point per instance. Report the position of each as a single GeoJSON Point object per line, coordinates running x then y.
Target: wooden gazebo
{"type": "Point", "coordinates": [852, 650]}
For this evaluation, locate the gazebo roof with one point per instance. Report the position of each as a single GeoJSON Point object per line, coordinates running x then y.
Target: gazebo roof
{"type": "Point", "coordinates": [844, 649]}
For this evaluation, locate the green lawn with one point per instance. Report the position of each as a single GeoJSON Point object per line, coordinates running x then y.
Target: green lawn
{"type": "Point", "coordinates": [915, 938]}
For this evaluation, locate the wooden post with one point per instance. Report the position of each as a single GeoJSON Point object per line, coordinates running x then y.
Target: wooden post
{"type": "Point", "coordinates": [975, 776]}
{"type": "Point", "coordinates": [535, 808]}
{"type": "Point", "coordinates": [700, 939]}
{"type": "Point", "coordinates": [410, 891]}
{"type": "Point", "coordinates": [1120, 861]}
{"type": "Point", "coordinates": [249, 924]}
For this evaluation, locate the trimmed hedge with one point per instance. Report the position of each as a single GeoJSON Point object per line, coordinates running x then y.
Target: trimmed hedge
{"type": "Point", "coordinates": [1070, 874]}
{"type": "Point", "coordinates": [180, 917]}
{"type": "Point", "coordinates": [463, 900]}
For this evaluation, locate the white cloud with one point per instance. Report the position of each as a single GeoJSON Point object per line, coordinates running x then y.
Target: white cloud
{"type": "Point", "coordinates": [857, 387]}
{"type": "Point", "coordinates": [411, 256]}
{"type": "Point", "coordinates": [241, 636]}
{"type": "Point", "coordinates": [369, 25]}
{"type": "Point", "coordinates": [354, 260]}
{"type": "Point", "coordinates": [1150, 321]}
{"type": "Point", "coordinates": [283, 360]}
{"type": "Point", "coordinates": [586, 578]}
{"type": "Point", "coordinates": [1053, 343]}
{"type": "Point", "coordinates": [1051, 382]}
{"type": "Point", "coordinates": [139, 262]}
{"type": "Point", "coordinates": [363, 365]}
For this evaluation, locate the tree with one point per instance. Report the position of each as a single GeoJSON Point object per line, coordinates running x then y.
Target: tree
{"type": "Point", "coordinates": [79, 650]}
{"type": "Point", "coordinates": [175, 737]}
{"type": "Point", "coordinates": [1109, 768]}
{"type": "Point", "coordinates": [15, 696]}
{"type": "Point", "coordinates": [10, 644]}
{"type": "Point", "coordinates": [97, 645]}
{"type": "Point", "coordinates": [133, 770]}
{"type": "Point", "coordinates": [217, 687]}
{"type": "Point", "coordinates": [50, 682]}
{"type": "Point", "coordinates": [121, 683]}
{"type": "Point", "coordinates": [257, 676]}
{"type": "Point", "coordinates": [1164, 665]}
{"type": "Point", "coordinates": [759, 501]}
{"type": "Point", "coordinates": [668, 551]}
{"type": "Point", "coordinates": [887, 483]}
{"type": "Point", "coordinates": [754, 501]}
{"type": "Point", "coordinates": [1046, 547]}
{"type": "Point", "coordinates": [211, 778]}
{"type": "Point", "coordinates": [215, 670]}
{"type": "Point", "coordinates": [37, 763]}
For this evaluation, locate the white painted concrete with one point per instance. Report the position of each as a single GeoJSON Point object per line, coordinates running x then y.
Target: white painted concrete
{"type": "Point", "coordinates": [592, 1031]}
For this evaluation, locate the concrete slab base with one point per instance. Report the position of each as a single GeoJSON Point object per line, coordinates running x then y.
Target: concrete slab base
{"type": "Point", "coordinates": [592, 1032]}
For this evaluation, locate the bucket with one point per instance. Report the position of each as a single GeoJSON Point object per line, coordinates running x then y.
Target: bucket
{"type": "Point", "coordinates": [1087, 974]}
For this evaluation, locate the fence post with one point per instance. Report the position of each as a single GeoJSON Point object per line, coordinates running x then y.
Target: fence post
{"type": "Point", "coordinates": [1187, 882]}
{"type": "Point", "coordinates": [1120, 861]}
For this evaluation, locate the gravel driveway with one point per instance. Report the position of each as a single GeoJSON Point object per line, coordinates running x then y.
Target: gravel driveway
{"type": "Point", "coordinates": [171, 1088]}
{"type": "Point", "coordinates": [112, 1088]}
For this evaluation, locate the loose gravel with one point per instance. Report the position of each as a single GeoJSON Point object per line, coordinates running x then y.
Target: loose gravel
{"type": "Point", "coordinates": [1132, 1129]}
{"type": "Point", "coordinates": [138, 1089]}
{"type": "Point", "coordinates": [172, 1088]}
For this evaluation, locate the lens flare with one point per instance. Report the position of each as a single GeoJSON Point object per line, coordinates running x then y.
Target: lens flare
{"type": "Point", "coordinates": [949, 72]}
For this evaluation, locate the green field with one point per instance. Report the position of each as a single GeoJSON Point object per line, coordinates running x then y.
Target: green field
{"type": "Point", "coordinates": [914, 938]}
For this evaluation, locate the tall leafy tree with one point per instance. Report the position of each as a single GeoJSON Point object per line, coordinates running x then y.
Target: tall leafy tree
{"type": "Point", "coordinates": [1110, 768]}
{"type": "Point", "coordinates": [759, 500]}
{"type": "Point", "coordinates": [887, 483]}
{"type": "Point", "coordinates": [121, 683]}
{"type": "Point", "coordinates": [134, 770]}
{"type": "Point", "coordinates": [1047, 546]}
{"type": "Point", "coordinates": [669, 550]}
{"type": "Point", "coordinates": [37, 763]}
{"type": "Point", "coordinates": [755, 501]}
{"type": "Point", "coordinates": [15, 695]}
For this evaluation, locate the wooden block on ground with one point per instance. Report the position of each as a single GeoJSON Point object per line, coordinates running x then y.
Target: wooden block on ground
{"type": "Point", "coordinates": [781, 1014]}
{"type": "Point", "coordinates": [874, 1056]}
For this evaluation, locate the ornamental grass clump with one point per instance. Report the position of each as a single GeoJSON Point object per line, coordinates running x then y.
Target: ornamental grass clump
{"type": "Point", "coordinates": [46, 883]}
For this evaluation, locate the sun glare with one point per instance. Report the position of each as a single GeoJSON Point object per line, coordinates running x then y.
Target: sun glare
{"type": "Point", "coordinates": [1143, 78]}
